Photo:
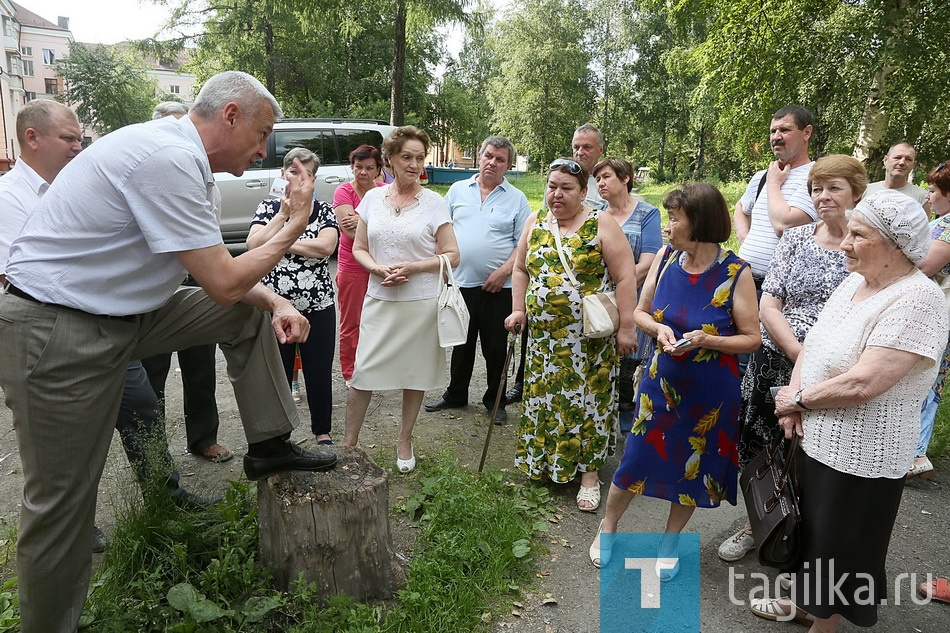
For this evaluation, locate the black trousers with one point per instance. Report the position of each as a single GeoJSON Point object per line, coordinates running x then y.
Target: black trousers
{"type": "Point", "coordinates": [143, 431]}
{"type": "Point", "coordinates": [488, 311]}
{"type": "Point", "coordinates": [198, 381]}
{"type": "Point", "coordinates": [316, 360]}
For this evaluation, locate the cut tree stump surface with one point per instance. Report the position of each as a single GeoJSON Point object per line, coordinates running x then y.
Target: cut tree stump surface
{"type": "Point", "coordinates": [333, 527]}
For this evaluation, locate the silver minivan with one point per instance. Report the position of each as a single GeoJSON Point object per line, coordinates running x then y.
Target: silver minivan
{"type": "Point", "coordinates": [330, 139]}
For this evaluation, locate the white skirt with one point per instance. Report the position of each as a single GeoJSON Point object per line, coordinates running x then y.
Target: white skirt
{"type": "Point", "coordinates": [399, 347]}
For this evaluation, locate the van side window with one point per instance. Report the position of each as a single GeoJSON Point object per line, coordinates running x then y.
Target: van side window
{"type": "Point", "coordinates": [348, 140]}
{"type": "Point", "coordinates": [320, 142]}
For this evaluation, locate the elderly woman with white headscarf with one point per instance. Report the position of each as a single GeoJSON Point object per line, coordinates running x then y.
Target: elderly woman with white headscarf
{"type": "Point", "coordinates": [853, 399]}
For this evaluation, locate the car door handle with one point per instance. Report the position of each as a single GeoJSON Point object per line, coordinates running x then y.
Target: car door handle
{"type": "Point", "coordinates": [255, 184]}
{"type": "Point", "coordinates": [334, 180]}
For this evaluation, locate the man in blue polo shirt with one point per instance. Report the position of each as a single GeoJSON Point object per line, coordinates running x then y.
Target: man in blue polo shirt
{"type": "Point", "coordinates": [488, 216]}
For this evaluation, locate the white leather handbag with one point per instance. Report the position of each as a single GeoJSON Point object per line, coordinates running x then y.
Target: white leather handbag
{"type": "Point", "coordinates": [453, 314]}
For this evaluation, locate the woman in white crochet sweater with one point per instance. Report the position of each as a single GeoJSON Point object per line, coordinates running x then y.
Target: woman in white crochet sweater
{"type": "Point", "coordinates": [854, 400]}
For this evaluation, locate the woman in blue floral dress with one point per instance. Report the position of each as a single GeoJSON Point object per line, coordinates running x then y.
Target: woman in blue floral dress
{"type": "Point", "coordinates": [699, 303]}
{"type": "Point", "coordinates": [303, 277]}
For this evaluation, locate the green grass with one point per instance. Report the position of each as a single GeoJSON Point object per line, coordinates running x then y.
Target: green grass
{"type": "Point", "coordinates": [179, 571]}
{"type": "Point", "coordinates": [940, 441]}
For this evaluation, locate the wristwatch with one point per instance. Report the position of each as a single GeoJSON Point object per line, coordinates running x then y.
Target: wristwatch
{"type": "Point", "coordinates": [798, 399]}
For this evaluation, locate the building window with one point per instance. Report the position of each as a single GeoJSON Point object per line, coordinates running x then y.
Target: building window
{"type": "Point", "coordinates": [174, 90]}
{"type": "Point", "coordinates": [26, 51]}
{"type": "Point", "coordinates": [27, 68]}
{"type": "Point", "coordinates": [8, 29]}
{"type": "Point", "coordinates": [29, 97]}
{"type": "Point", "coordinates": [51, 86]}
{"type": "Point", "coordinates": [49, 56]}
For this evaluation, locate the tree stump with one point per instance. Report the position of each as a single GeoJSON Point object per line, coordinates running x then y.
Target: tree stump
{"type": "Point", "coordinates": [331, 526]}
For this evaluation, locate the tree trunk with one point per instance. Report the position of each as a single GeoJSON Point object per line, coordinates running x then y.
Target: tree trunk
{"type": "Point", "coordinates": [662, 153]}
{"type": "Point", "coordinates": [397, 114]}
{"type": "Point", "coordinates": [271, 76]}
{"type": "Point", "coordinates": [332, 527]}
{"type": "Point", "coordinates": [874, 122]}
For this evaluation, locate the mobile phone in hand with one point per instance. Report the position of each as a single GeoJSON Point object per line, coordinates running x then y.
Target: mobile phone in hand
{"type": "Point", "coordinates": [680, 343]}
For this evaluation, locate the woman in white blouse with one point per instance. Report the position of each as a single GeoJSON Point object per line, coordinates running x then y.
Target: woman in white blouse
{"type": "Point", "coordinates": [854, 399]}
{"type": "Point", "coordinates": [402, 229]}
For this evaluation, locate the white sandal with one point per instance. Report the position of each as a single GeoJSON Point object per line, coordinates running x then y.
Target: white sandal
{"type": "Point", "coordinates": [924, 469]}
{"type": "Point", "coordinates": [770, 609]}
{"type": "Point", "coordinates": [600, 557]}
{"type": "Point", "coordinates": [591, 495]}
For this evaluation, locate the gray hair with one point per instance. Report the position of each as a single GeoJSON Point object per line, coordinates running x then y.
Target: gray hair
{"type": "Point", "coordinates": [169, 108]}
{"type": "Point", "coordinates": [305, 155]}
{"type": "Point", "coordinates": [233, 86]}
{"type": "Point", "coordinates": [501, 143]}
{"type": "Point", "coordinates": [588, 128]}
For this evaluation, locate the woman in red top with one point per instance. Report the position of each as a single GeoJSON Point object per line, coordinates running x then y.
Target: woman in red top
{"type": "Point", "coordinates": [351, 278]}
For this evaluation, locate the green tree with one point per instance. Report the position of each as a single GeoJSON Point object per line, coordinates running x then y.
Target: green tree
{"type": "Point", "coordinates": [543, 90]}
{"type": "Point", "coordinates": [109, 88]}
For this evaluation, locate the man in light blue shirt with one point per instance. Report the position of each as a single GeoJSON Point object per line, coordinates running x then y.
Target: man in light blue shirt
{"type": "Point", "coordinates": [488, 216]}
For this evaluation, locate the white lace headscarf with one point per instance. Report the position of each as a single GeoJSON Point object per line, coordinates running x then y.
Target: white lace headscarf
{"type": "Point", "coordinates": [900, 219]}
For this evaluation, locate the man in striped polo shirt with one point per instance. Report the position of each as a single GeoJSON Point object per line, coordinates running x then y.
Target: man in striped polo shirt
{"type": "Point", "coordinates": [782, 200]}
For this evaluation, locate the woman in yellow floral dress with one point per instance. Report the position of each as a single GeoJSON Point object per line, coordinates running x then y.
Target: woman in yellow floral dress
{"type": "Point", "coordinates": [699, 303]}
{"type": "Point", "coordinates": [569, 424]}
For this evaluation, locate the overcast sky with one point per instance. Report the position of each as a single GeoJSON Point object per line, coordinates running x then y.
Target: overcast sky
{"type": "Point", "coordinates": [103, 21]}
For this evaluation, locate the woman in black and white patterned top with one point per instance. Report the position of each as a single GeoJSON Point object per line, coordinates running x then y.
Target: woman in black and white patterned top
{"type": "Point", "coordinates": [303, 277]}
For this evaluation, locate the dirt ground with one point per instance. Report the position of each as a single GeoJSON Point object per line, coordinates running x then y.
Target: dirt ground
{"type": "Point", "coordinates": [920, 542]}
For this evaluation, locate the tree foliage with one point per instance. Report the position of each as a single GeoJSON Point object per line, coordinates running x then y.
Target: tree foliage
{"type": "Point", "coordinates": [685, 87]}
{"type": "Point", "coordinates": [109, 87]}
{"type": "Point", "coordinates": [543, 90]}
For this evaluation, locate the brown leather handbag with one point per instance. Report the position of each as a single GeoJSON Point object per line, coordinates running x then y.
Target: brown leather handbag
{"type": "Point", "coordinates": [771, 498]}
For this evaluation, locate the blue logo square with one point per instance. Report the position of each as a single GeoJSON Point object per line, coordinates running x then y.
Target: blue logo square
{"type": "Point", "coordinates": [632, 597]}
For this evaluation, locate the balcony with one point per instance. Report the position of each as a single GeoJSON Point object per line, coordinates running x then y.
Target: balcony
{"type": "Point", "coordinates": [11, 44]}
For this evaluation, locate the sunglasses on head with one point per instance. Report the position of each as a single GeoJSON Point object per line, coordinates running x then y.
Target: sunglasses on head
{"type": "Point", "coordinates": [942, 165]}
{"type": "Point", "coordinates": [572, 166]}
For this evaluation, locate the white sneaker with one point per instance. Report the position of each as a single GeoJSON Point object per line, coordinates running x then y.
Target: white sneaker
{"type": "Point", "coordinates": [736, 546]}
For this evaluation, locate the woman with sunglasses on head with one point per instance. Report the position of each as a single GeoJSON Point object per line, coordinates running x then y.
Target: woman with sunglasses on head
{"type": "Point", "coordinates": [351, 278]}
{"type": "Point", "coordinates": [569, 424]}
{"type": "Point", "coordinates": [699, 304]}
{"type": "Point", "coordinates": [936, 265]}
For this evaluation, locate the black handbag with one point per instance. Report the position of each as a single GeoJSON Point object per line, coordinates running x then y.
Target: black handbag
{"type": "Point", "coordinates": [771, 498]}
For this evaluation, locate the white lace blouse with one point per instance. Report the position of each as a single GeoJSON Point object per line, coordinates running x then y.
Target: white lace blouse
{"type": "Point", "coordinates": [877, 438]}
{"type": "Point", "coordinates": [404, 236]}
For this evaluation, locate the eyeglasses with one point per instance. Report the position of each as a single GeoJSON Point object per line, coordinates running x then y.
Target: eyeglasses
{"type": "Point", "coordinates": [572, 166]}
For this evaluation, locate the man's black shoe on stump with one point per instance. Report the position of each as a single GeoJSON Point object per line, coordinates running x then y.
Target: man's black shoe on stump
{"type": "Point", "coordinates": [269, 457]}
{"type": "Point", "coordinates": [442, 404]}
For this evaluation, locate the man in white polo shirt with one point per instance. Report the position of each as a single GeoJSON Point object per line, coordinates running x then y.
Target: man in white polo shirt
{"type": "Point", "coordinates": [93, 283]}
{"type": "Point", "coordinates": [488, 215]}
{"type": "Point", "coordinates": [777, 198]}
{"type": "Point", "coordinates": [899, 163]}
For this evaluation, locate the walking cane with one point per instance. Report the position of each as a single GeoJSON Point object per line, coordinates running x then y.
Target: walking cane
{"type": "Point", "coordinates": [502, 385]}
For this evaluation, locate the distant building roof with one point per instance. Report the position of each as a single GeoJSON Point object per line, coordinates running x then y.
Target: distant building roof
{"type": "Point", "coordinates": [27, 18]}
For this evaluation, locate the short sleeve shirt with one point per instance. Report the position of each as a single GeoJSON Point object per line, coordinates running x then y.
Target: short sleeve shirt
{"type": "Point", "coordinates": [105, 236]}
{"type": "Point", "coordinates": [760, 243]}
{"type": "Point", "coordinates": [877, 438]}
{"type": "Point", "coordinates": [346, 194]}
{"type": "Point", "coordinates": [406, 236]}
{"type": "Point", "coordinates": [487, 231]}
{"type": "Point", "coordinates": [803, 275]}
{"type": "Point", "coordinates": [304, 281]}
